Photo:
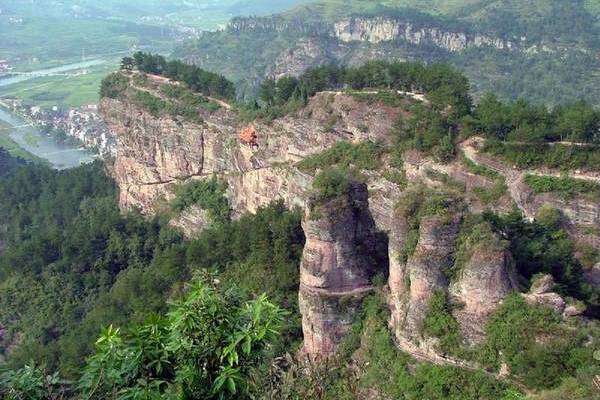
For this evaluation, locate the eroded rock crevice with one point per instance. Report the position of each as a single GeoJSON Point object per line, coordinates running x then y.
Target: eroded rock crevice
{"type": "Point", "coordinates": [339, 262]}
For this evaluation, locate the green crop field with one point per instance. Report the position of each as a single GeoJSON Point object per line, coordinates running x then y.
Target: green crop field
{"type": "Point", "coordinates": [64, 92]}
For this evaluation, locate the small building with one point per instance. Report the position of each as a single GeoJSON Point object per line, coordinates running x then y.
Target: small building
{"type": "Point", "coordinates": [249, 137]}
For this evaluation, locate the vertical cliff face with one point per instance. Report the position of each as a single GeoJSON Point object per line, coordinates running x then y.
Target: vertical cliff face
{"type": "Point", "coordinates": [382, 29]}
{"type": "Point", "coordinates": [486, 279]}
{"type": "Point", "coordinates": [342, 252]}
{"type": "Point", "coordinates": [338, 263]}
{"type": "Point", "coordinates": [475, 274]}
{"type": "Point", "coordinates": [422, 274]}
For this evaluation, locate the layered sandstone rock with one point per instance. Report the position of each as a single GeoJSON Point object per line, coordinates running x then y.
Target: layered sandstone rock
{"type": "Point", "coordinates": [338, 263]}
{"type": "Point", "coordinates": [382, 29]}
{"type": "Point", "coordinates": [476, 288]}
{"type": "Point", "coordinates": [484, 282]}
{"type": "Point", "coordinates": [343, 245]}
{"type": "Point", "coordinates": [424, 273]}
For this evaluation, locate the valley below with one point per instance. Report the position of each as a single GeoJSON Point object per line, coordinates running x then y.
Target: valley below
{"type": "Point", "coordinates": [355, 200]}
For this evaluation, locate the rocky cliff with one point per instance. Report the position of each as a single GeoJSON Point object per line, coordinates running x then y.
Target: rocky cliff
{"type": "Point", "coordinates": [338, 263]}
{"type": "Point", "coordinates": [345, 236]}
{"type": "Point", "coordinates": [383, 29]}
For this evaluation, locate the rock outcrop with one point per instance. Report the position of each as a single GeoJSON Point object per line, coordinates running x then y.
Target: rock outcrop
{"type": "Point", "coordinates": [344, 241]}
{"type": "Point", "coordinates": [414, 281]}
{"type": "Point", "coordinates": [542, 293]}
{"type": "Point", "coordinates": [338, 263]}
{"type": "Point", "coordinates": [382, 29]}
{"type": "Point", "coordinates": [475, 289]}
{"type": "Point", "coordinates": [484, 282]}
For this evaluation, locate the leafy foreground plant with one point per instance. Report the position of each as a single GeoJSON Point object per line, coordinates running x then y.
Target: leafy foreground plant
{"type": "Point", "coordinates": [206, 348]}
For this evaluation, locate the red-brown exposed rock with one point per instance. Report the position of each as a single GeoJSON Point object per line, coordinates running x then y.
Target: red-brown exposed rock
{"type": "Point", "coordinates": [424, 274]}
{"type": "Point", "coordinates": [338, 263]}
{"type": "Point", "coordinates": [485, 281]}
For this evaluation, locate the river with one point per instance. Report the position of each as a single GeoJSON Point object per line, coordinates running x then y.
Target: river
{"type": "Point", "coordinates": [11, 79]}
{"type": "Point", "coordinates": [30, 138]}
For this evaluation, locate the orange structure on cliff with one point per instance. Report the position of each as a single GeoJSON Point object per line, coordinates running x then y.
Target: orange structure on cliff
{"type": "Point", "coordinates": [249, 136]}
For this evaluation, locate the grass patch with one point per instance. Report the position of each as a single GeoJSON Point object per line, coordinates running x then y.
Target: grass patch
{"type": "Point", "coordinates": [362, 156]}
{"type": "Point", "coordinates": [566, 186]}
{"type": "Point", "coordinates": [440, 323]}
{"type": "Point", "coordinates": [537, 155]}
{"type": "Point", "coordinates": [479, 169]}
{"type": "Point", "coordinates": [209, 194]}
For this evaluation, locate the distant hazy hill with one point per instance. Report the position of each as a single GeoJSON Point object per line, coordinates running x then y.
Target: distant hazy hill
{"type": "Point", "coordinates": [546, 50]}
{"type": "Point", "coordinates": [52, 32]}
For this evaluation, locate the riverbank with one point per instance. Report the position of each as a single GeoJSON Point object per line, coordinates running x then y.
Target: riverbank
{"type": "Point", "coordinates": [13, 147]}
{"type": "Point", "coordinates": [21, 138]}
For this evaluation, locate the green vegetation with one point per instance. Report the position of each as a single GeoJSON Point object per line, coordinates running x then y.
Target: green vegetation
{"type": "Point", "coordinates": [531, 136]}
{"type": "Point", "coordinates": [520, 121]}
{"type": "Point", "coordinates": [191, 101]}
{"type": "Point", "coordinates": [396, 175]}
{"type": "Point", "coordinates": [149, 102]}
{"type": "Point", "coordinates": [543, 246]}
{"type": "Point", "coordinates": [558, 156]}
{"type": "Point", "coordinates": [444, 86]}
{"type": "Point", "coordinates": [417, 203]}
{"type": "Point", "coordinates": [197, 79]}
{"type": "Point", "coordinates": [385, 371]}
{"type": "Point", "coordinates": [205, 348]}
{"type": "Point", "coordinates": [513, 334]}
{"type": "Point", "coordinates": [114, 85]}
{"type": "Point", "coordinates": [487, 195]}
{"type": "Point", "coordinates": [344, 155]}
{"type": "Point", "coordinates": [62, 91]}
{"type": "Point", "coordinates": [564, 185]}
{"type": "Point", "coordinates": [475, 233]}
{"type": "Point", "coordinates": [440, 323]}
{"type": "Point", "coordinates": [545, 77]}
{"type": "Point", "coordinates": [210, 195]}
{"type": "Point", "coordinates": [480, 169]}
{"type": "Point", "coordinates": [428, 131]}
{"type": "Point", "coordinates": [8, 164]}
{"type": "Point", "coordinates": [332, 183]}
{"type": "Point", "coordinates": [72, 264]}
{"type": "Point", "coordinates": [447, 180]}
{"type": "Point", "coordinates": [185, 103]}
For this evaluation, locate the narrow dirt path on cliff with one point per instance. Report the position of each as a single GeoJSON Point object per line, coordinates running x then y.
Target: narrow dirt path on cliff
{"type": "Point", "coordinates": [422, 356]}
{"type": "Point", "coordinates": [515, 177]}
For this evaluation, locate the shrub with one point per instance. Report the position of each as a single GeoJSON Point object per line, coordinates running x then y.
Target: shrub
{"type": "Point", "coordinates": [363, 156]}
{"type": "Point", "coordinates": [209, 194]}
{"type": "Point", "coordinates": [332, 183]}
{"type": "Point", "coordinates": [566, 186]}
{"type": "Point", "coordinates": [440, 323]}
{"type": "Point", "coordinates": [114, 85]}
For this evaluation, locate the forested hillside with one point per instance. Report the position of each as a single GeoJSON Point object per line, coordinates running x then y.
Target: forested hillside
{"type": "Point", "coordinates": [544, 50]}
{"type": "Point", "coordinates": [217, 316]}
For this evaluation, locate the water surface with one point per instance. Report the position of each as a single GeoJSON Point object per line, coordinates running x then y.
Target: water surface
{"type": "Point", "coordinates": [30, 138]}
